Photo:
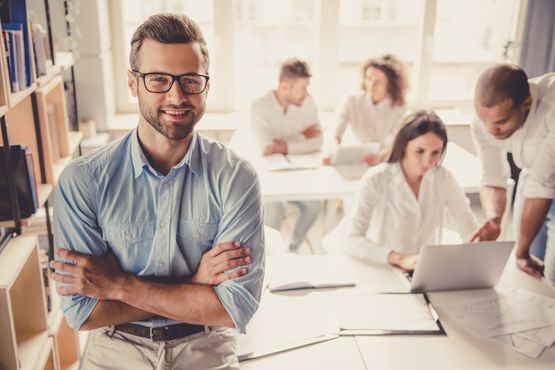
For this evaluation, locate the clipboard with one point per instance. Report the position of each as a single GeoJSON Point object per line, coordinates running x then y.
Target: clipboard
{"type": "Point", "coordinates": [419, 310]}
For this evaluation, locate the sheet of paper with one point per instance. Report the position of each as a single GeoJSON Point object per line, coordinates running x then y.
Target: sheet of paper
{"type": "Point", "coordinates": [292, 271]}
{"type": "Point", "coordinates": [520, 344]}
{"type": "Point", "coordinates": [287, 322]}
{"type": "Point", "coordinates": [274, 162]}
{"type": "Point", "coordinates": [388, 312]}
{"type": "Point", "coordinates": [544, 336]}
{"type": "Point", "coordinates": [503, 312]}
{"type": "Point", "coordinates": [302, 161]}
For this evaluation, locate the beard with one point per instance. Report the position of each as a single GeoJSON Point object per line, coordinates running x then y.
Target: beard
{"type": "Point", "coordinates": [172, 130]}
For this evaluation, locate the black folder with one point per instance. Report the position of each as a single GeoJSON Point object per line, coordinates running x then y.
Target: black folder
{"type": "Point", "coordinates": [24, 177]}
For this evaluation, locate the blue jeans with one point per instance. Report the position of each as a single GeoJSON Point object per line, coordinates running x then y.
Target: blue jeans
{"type": "Point", "coordinates": [275, 211]}
{"type": "Point", "coordinates": [543, 245]}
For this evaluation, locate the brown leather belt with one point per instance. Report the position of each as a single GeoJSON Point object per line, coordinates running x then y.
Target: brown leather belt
{"type": "Point", "coordinates": [162, 333]}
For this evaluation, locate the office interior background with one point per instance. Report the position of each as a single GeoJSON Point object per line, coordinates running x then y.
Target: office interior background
{"type": "Point", "coordinates": [445, 45]}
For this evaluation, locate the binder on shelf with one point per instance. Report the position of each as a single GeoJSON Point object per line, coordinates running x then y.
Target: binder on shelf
{"type": "Point", "coordinates": [25, 183]}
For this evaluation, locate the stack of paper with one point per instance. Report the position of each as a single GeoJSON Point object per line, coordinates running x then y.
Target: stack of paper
{"type": "Point", "coordinates": [522, 320]}
{"type": "Point", "coordinates": [292, 271]}
{"type": "Point", "coordinates": [282, 323]}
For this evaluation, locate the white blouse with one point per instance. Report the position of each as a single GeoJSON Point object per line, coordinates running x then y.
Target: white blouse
{"type": "Point", "coordinates": [389, 217]}
{"type": "Point", "coordinates": [370, 122]}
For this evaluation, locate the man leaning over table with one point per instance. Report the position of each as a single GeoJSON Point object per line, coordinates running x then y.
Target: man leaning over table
{"type": "Point", "coordinates": [517, 115]}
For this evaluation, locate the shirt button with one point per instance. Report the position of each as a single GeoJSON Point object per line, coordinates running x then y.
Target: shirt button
{"type": "Point", "coordinates": [162, 224]}
{"type": "Point", "coordinates": [162, 264]}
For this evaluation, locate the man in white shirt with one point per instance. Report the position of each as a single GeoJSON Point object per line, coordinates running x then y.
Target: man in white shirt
{"type": "Point", "coordinates": [517, 115]}
{"type": "Point", "coordinates": [285, 121]}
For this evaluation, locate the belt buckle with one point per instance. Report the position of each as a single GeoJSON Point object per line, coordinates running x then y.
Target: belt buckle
{"type": "Point", "coordinates": [151, 334]}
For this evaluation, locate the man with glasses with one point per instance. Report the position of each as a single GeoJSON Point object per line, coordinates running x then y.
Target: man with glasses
{"type": "Point", "coordinates": [517, 115]}
{"type": "Point", "coordinates": [285, 121]}
{"type": "Point", "coordinates": [159, 235]}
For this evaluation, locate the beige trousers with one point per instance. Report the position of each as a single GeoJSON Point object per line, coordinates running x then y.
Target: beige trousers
{"type": "Point", "coordinates": [109, 350]}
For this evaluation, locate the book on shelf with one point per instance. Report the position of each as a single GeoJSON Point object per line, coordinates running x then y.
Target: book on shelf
{"type": "Point", "coordinates": [22, 172]}
{"type": "Point", "coordinates": [53, 128]}
{"type": "Point", "coordinates": [10, 60]}
{"type": "Point", "coordinates": [14, 12]}
{"type": "Point", "coordinates": [41, 48]}
{"type": "Point", "coordinates": [18, 52]}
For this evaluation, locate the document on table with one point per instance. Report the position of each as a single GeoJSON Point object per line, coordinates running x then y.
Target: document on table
{"type": "Point", "coordinates": [519, 344]}
{"type": "Point", "coordinates": [292, 271]}
{"type": "Point", "coordinates": [286, 323]}
{"type": "Point", "coordinates": [281, 162]}
{"type": "Point", "coordinates": [522, 320]}
{"type": "Point", "coordinates": [382, 313]}
{"type": "Point", "coordinates": [503, 312]}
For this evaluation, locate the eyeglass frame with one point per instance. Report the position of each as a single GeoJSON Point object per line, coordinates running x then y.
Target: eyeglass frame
{"type": "Point", "coordinates": [174, 78]}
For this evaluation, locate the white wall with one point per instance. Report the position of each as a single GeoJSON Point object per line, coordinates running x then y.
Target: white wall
{"type": "Point", "coordinates": [94, 69]}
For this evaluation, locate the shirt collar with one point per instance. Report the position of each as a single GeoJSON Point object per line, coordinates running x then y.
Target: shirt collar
{"type": "Point", "coordinates": [398, 176]}
{"type": "Point", "coordinates": [385, 103]}
{"type": "Point", "coordinates": [192, 158]}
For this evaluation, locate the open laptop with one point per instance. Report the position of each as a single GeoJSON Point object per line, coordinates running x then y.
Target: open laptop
{"type": "Point", "coordinates": [460, 266]}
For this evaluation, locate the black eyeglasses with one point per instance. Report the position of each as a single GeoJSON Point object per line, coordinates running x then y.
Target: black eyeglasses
{"type": "Point", "coordinates": [190, 83]}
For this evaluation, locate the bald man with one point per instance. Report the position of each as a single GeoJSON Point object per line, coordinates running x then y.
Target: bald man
{"type": "Point", "coordinates": [517, 115]}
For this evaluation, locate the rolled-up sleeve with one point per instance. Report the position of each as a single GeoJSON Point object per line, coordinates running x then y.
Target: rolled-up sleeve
{"type": "Point", "coordinates": [458, 207]}
{"type": "Point", "coordinates": [260, 124]}
{"type": "Point", "coordinates": [299, 144]}
{"type": "Point", "coordinates": [76, 228]}
{"type": "Point", "coordinates": [358, 244]}
{"type": "Point", "coordinates": [343, 118]}
{"type": "Point", "coordinates": [495, 167]}
{"type": "Point", "coordinates": [243, 221]}
{"type": "Point", "coordinates": [541, 181]}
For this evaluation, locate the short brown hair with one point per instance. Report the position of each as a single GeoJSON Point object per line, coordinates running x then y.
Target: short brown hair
{"type": "Point", "coordinates": [294, 68]}
{"type": "Point", "coordinates": [396, 75]}
{"type": "Point", "coordinates": [167, 28]}
{"type": "Point", "coordinates": [500, 82]}
{"type": "Point", "coordinates": [417, 124]}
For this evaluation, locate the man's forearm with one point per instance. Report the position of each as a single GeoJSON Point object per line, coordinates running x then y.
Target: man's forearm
{"type": "Point", "coordinates": [493, 201]}
{"type": "Point", "coordinates": [108, 313]}
{"type": "Point", "coordinates": [534, 213]}
{"type": "Point", "coordinates": [190, 303]}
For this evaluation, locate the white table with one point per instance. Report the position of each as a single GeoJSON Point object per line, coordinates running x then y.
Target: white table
{"type": "Point", "coordinates": [330, 182]}
{"type": "Point", "coordinates": [456, 350]}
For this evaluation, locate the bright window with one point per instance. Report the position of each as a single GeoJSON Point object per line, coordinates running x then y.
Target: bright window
{"type": "Point", "coordinates": [445, 44]}
{"type": "Point", "coordinates": [464, 48]}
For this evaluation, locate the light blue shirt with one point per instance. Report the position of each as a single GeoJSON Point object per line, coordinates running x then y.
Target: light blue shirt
{"type": "Point", "coordinates": [160, 226]}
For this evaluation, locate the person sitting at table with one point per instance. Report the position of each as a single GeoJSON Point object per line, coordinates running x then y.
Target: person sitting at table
{"type": "Point", "coordinates": [285, 121]}
{"type": "Point", "coordinates": [401, 204]}
{"type": "Point", "coordinates": [374, 114]}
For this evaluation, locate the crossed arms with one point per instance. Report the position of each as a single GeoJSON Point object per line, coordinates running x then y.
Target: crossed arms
{"type": "Point", "coordinates": [125, 297]}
